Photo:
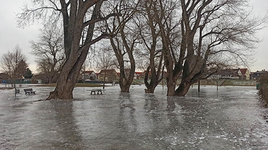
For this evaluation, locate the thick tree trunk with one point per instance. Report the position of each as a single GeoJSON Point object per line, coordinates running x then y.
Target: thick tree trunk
{"type": "Point", "coordinates": [124, 86]}
{"type": "Point", "coordinates": [126, 80]}
{"type": "Point", "coordinates": [65, 85]}
{"type": "Point", "coordinates": [171, 88]}
{"type": "Point", "coordinates": [156, 75]}
{"type": "Point", "coordinates": [150, 89]}
{"type": "Point", "coordinates": [183, 89]}
{"type": "Point", "coordinates": [171, 80]}
{"type": "Point", "coordinates": [68, 77]}
{"type": "Point", "coordinates": [64, 90]}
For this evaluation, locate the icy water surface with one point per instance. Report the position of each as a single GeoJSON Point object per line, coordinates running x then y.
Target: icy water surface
{"type": "Point", "coordinates": [229, 119]}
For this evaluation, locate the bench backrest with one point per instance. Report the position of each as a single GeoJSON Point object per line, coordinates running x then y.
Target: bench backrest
{"type": "Point", "coordinates": [28, 90]}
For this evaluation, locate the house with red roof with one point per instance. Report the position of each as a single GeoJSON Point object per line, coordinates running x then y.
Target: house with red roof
{"type": "Point", "coordinates": [243, 73]}
{"type": "Point", "coordinates": [138, 75]}
{"type": "Point", "coordinates": [240, 73]}
{"type": "Point", "coordinates": [89, 76]}
{"type": "Point", "coordinates": [108, 75]}
{"type": "Point", "coordinates": [256, 75]}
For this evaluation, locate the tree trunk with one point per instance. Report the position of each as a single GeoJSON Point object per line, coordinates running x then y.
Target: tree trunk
{"type": "Point", "coordinates": [171, 88]}
{"type": "Point", "coordinates": [124, 86]}
{"type": "Point", "coordinates": [68, 77]}
{"type": "Point", "coordinates": [150, 89]}
{"type": "Point", "coordinates": [65, 85]}
{"type": "Point", "coordinates": [63, 90]}
{"type": "Point", "coordinates": [156, 74]}
{"type": "Point", "coordinates": [199, 86]}
{"type": "Point", "coordinates": [183, 89]}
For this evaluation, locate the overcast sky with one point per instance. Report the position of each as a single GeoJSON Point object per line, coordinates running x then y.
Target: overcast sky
{"type": "Point", "coordinates": [11, 35]}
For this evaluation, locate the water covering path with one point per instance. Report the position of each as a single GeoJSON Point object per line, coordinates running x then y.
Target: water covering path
{"type": "Point", "coordinates": [229, 119]}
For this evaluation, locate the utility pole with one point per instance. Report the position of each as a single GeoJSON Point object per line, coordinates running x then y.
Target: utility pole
{"type": "Point", "coordinates": [198, 86]}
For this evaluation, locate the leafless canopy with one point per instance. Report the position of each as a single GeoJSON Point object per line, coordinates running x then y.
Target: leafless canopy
{"type": "Point", "coordinates": [49, 51]}
{"type": "Point", "coordinates": [79, 19]}
{"type": "Point", "coordinates": [210, 31]}
{"type": "Point", "coordinates": [14, 63]}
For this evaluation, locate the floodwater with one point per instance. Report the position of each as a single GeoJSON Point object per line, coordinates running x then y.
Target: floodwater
{"type": "Point", "coordinates": [231, 118]}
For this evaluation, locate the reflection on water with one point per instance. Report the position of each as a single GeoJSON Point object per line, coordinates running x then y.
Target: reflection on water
{"type": "Point", "coordinates": [171, 103]}
{"type": "Point", "coordinates": [126, 118]}
{"type": "Point", "coordinates": [126, 102]}
{"type": "Point", "coordinates": [66, 127]}
{"type": "Point", "coordinates": [229, 119]}
{"type": "Point", "coordinates": [151, 102]}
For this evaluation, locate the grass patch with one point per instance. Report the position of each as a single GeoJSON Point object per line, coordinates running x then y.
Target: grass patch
{"type": "Point", "coordinates": [77, 85]}
{"type": "Point", "coordinates": [6, 88]}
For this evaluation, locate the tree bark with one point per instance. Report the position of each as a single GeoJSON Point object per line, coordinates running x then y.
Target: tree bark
{"type": "Point", "coordinates": [63, 90]}
{"type": "Point", "coordinates": [150, 89]}
{"type": "Point", "coordinates": [155, 79]}
{"type": "Point", "coordinates": [68, 78]}
{"type": "Point", "coordinates": [126, 79]}
{"type": "Point", "coordinates": [171, 85]}
{"type": "Point", "coordinates": [183, 89]}
{"type": "Point", "coordinates": [124, 86]}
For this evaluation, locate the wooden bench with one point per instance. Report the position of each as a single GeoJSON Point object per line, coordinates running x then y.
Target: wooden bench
{"type": "Point", "coordinates": [96, 91]}
{"type": "Point", "coordinates": [29, 91]}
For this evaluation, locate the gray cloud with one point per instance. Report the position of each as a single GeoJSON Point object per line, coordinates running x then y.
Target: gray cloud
{"type": "Point", "coordinates": [11, 35]}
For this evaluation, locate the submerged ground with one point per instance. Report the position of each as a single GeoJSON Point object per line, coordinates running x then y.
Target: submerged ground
{"type": "Point", "coordinates": [231, 118]}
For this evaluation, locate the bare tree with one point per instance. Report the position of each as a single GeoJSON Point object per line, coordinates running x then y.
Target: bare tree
{"type": "Point", "coordinates": [151, 40]}
{"type": "Point", "coordinates": [13, 63]}
{"type": "Point", "coordinates": [49, 50]}
{"type": "Point", "coordinates": [79, 19]}
{"type": "Point", "coordinates": [209, 29]}
{"type": "Point", "coordinates": [169, 31]}
{"type": "Point", "coordinates": [124, 42]}
{"type": "Point", "coordinates": [105, 61]}
{"type": "Point", "coordinates": [21, 68]}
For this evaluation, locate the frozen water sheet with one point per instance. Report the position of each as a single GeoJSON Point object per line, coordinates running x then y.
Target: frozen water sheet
{"type": "Point", "coordinates": [231, 118]}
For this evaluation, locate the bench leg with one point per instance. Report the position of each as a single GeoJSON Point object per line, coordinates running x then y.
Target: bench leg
{"type": "Point", "coordinates": [96, 92]}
